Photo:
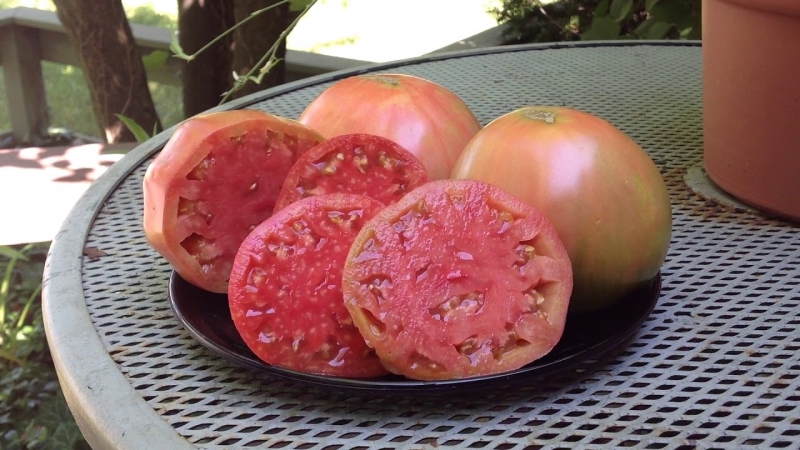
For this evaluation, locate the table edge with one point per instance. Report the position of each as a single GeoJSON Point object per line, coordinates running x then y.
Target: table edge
{"type": "Point", "coordinates": [91, 373]}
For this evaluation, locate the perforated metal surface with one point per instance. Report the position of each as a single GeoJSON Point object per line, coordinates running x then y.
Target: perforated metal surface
{"type": "Point", "coordinates": [715, 366]}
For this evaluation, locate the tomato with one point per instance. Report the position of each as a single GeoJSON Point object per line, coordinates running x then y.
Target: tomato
{"type": "Point", "coordinates": [217, 177]}
{"type": "Point", "coordinates": [354, 163]}
{"type": "Point", "coordinates": [285, 289]}
{"type": "Point", "coordinates": [458, 279]}
{"type": "Point", "coordinates": [423, 117]}
{"type": "Point", "coordinates": [602, 192]}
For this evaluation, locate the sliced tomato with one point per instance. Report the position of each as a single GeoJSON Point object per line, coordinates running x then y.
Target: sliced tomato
{"type": "Point", "coordinates": [361, 164]}
{"type": "Point", "coordinates": [285, 289]}
{"type": "Point", "coordinates": [216, 179]}
{"type": "Point", "coordinates": [458, 279]}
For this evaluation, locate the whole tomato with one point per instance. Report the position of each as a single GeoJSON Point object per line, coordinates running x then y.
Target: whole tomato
{"type": "Point", "coordinates": [425, 118]}
{"type": "Point", "coordinates": [602, 192]}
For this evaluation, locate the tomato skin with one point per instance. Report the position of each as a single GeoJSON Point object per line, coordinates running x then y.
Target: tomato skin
{"type": "Point", "coordinates": [361, 164]}
{"type": "Point", "coordinates": [458, 279]}
{"type": "Point", "coordinates": [602, 192]}
{"type": "Point", "coordinates": [165, 184]}
{"type": "Point", "coordinates": [285, 291]}
{"type": "Point", "coordinates": [423, 117]}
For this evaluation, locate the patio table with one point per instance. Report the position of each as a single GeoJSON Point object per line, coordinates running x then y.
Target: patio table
{"type": "Point", "coordinates": [715, 365]}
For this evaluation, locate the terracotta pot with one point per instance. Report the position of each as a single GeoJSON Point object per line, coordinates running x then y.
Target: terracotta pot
{"type": "Point", "coordinates": [751, 101]}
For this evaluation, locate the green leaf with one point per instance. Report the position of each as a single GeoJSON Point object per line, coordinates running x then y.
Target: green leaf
{"type": "Point", "coordinates": [643, 27]}
{"type": "Point", "coordinates": [299, 5]}
{"type": "Point", "coordinates": [602, 28]}
{"type": "Point", "coordinates": [155, 60]}
{"type": "Point", "coordinates": [601, 9]}
{"type": "Point", "coordinates": [658, 30]}
{"type": "Point", "coordinates": [671, 11]}
{"type": "Point", "coordinates": [620, 9]}
{"type": "Point", "coordinates": [10, 253]}
{"type": "Point", "coordinates": [5, 354]}
{"type": "Point", "coordinates": [138, 132]}
{"type": "Point", "coordinates": [648, 4]}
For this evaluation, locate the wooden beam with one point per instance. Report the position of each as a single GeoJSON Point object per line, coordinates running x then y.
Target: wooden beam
{"type": "Point", "coordinates": [20, 57]}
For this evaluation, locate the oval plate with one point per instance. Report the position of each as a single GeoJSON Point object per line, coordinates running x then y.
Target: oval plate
{"type": "Point", "coordinates": [206, 317]}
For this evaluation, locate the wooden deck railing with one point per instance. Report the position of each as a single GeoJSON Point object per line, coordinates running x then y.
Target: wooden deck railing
{"type": "Point", "coordinates": [30, 36]}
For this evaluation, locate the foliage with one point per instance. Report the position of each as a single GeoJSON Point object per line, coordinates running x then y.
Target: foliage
{"type": "Point", "coordinates": [267, 61]}
{"type": "Point", "coordinates": [146, 15]}
{"type": "Point", "coordinates": [33, 412]}
{"type": "Point", "coordinates": [571, 20]}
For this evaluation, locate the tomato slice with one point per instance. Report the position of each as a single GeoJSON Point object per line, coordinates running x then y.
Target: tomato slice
{"type": "Point", "coordinates": [361, 164]}
{"type": "Point", "coordinates": [285, 289]}
{"type": "Point", "coordinates": [458, 279]}
{"type": "Point", "coordinates": [216, 179]}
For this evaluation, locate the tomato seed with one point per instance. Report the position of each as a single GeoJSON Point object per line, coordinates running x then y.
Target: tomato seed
{"type": "Point", "coordinates": [266, 337]}
{"type": "Point", "coordinates": [296, 344]}
{"type": "Point", "coordinates": [329, 169]}
{"type": "Point", "coordinates": [256, 277]}
{"type": "Point", "coordinates": [198, 173]}
{"type": "Point", "coordinates": [533, 299]}
{"type": "Point", "coordinates": [419, 360]}
{"type": "Point", "coordinates": [468, 347]}
{"type": "Point", "coordinates": [186, 206]}
{"type": "Point", "coordinates": [457, 200]}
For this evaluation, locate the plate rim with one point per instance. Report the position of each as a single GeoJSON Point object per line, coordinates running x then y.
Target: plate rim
{"type": "Point", "coordinates": [406, 386]}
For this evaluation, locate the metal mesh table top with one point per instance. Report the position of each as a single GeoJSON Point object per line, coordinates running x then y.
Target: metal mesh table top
{"type": "Point", "coordinates": [716, 364]}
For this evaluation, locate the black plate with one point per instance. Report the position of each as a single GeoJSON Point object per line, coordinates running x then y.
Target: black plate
{"type": "Point", "coordinates": [587, 335]}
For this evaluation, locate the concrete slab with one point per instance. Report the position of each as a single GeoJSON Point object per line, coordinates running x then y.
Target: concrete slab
{"type": "Point", "coordinates": [39, 186]}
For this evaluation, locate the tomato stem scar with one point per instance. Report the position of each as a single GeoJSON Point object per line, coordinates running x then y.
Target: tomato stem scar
{"type": "Point", "coordinates": [540, 114]}
{"type": "Point", "coordinates": [383, 79]}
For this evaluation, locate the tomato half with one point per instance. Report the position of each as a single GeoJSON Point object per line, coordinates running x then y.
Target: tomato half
{"type": "Point", "coordinates": [458, 279]}
{"type": "Point", "coordinates": [217, 178]}
{"type": "Point", "coordinates": [362, 164]}
{"type": "Point", "coordinates": [285, 290]}
{"type": "Point", "coordinates": [603, 193]}
{"type": "Point", "coordinates": [423, 117]}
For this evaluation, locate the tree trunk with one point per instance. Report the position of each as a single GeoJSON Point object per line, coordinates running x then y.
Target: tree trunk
{"type": "Point", "coordinates": [112, 65]}
{"type": "Point", "coordinates": [254, 39]}
{"type": "Point", "coordinates": [208, 76]}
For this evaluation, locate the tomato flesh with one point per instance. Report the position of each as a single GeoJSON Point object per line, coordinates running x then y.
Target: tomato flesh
{"type": "Point", "coordinates": [285, 289]}
{"type": "Point", "coordinates": [357, 164]}
{"type": "Point", "coordinates": [215, 180]}
{"type": "Point", "coordinates": [458, 279]}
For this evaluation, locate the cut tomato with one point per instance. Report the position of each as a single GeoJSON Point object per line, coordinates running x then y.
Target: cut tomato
{"type": "Point", "coordinates": [458, 279]}
{"type": "Point", "coordinates": [361, 164]}
{"type": "Point", "coordinates": [285, 289]}
{"type": "Point", "coordinates": [216, 179]}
